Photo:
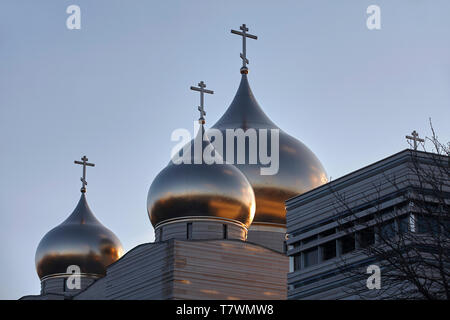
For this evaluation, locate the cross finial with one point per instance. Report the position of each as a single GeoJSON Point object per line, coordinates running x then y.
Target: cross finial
{"type": "Point", "coordinates": [245, 35]}
{"type": "Point", "coordinates": [84, 163]}
{"type": "Point", "coordinates": [415, 137]}
{"type": "Point", "coordinates": [201, 108]}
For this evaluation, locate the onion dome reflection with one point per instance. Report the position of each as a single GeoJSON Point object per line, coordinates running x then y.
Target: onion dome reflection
{"type": "Point", "coordinates": [80, 240]}
{"type": "Point", "coordinates": [299, 169]}
{"type": "Point", "coordinates": [199, 188]}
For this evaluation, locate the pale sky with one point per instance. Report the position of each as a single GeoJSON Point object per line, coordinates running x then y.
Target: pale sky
{"type": "Point", "coordinates": [116, 89]}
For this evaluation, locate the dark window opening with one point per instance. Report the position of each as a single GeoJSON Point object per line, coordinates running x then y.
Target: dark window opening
{"type": "Point", "coordinates": [428, 225]}
{"type": "Point", "coordinates": [403, 224]}
{"type": "Point", "coordinates": [367, 237]}
{"type": "Point", "coordinates": [446, 227]}
{"type": "Point", "coordinates": [189, 230]}
{"type": "Point", "coordinates": [387, 230]}
{"type": "Point", "coordinates": [297, 262]}
{"type": "Point", "coordinates": [347, 243]}
{"type": "Point", "coordinates": [311, 256]}
{"type": "Point", "coordinates": [347, 225]}
{"type": "Point", "coordinates": [225, 231]}
{"type": "Point", "coordinates": [329, 250]}
{"type": "Point", "coordinates": [431, 207]}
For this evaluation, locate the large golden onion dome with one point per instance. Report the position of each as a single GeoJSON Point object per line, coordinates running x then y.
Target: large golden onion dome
{"type": "Point", "coordinates": [80, 240]}
{"type": "Point", "coordinates": [299, 169]}
{"type": "Point", "coordinates": [200, 190]}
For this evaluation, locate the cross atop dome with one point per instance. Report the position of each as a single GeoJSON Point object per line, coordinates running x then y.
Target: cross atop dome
{"type": "Point", "coordinates": [85, 164]}
{"type": "Point", "coordinates": [201, 88]}
{"type": "Point", "coordinates": [245, 35]}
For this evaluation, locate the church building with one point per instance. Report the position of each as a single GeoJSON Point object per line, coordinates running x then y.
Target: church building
{"type": "Point", "coordinates": [220, 228]}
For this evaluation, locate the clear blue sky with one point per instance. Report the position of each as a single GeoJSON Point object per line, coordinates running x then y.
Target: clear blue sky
{"type": "Point", "coordinates": [116, 89]}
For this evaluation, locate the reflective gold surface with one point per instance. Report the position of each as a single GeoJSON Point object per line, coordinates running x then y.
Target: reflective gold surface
{"type": "Point", "coordinates": [299, 169]}
{"type": "Point", "coordinates": [80, 240]}
{"type": "Point", "coordinates": [200, 190]}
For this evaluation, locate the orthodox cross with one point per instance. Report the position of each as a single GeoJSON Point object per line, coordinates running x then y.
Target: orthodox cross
{"type": "Point", "coordinates": [201, 88]}
{"type": "Point", "coordinates": [244, 35]}
{"type": "Point", "coordinates": [415, 137]}
{"type": "Point", "coordinates": [84, 163]}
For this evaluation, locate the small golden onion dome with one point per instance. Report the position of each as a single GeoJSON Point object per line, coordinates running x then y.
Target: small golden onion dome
{"type": "Point", "coordinates": [81, 240]}
{"type": "Point", "coordinates": [200, 191]}
{"type": "Point", "coordinates": [299, 169]}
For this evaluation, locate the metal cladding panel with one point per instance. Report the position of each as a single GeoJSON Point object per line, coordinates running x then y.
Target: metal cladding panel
{"type": "Point", "coordinates": [271, 240]}
{"type": "Point", "coordinates": [194, 269]}
{"type": "Point", "coordinates": [144, 273]}
{"type": "Point", "coordinates": [228, 269]}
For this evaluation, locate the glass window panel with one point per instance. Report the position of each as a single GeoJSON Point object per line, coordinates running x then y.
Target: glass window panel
{"type": "Point", "coordinates": [347, 243]}
{"type": "Point", "coordinates": [311, 256]}
{"type": "Point", "coordinates": [366, 237]}
{"type": "Point", "coordinates": [388, 230]}
{"type": "Point", "coordinates": [297, 262]}
{"type": "Point", "coordinates": [329, 250]}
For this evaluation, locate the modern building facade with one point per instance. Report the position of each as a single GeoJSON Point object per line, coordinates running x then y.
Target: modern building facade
{"type": "Point", "coordinates": [329, 226]}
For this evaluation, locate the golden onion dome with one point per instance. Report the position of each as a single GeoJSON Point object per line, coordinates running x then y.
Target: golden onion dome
{"type": "Point", "coordinates": [80, 240]}
{"type": "Point", "coordinates": [200, 190]}
{"type": "Point", "coordinates": [299, 169]}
